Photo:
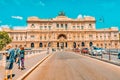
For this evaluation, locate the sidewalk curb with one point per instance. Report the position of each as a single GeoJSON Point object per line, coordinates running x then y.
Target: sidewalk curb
{"type": "Point", "coordinates": [34, 67]}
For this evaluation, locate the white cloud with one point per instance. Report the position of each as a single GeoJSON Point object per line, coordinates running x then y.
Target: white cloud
{"type": "Point", "coordinates": [5, 26]}
{"type": "Point", "coordinates": [17, 17]}
{"type": "Point", "coordinates": [41, 3]}
{"type": "Point", "coordinates": [80, 16]}
{"type": "Point", "coordinates": [20, 28]}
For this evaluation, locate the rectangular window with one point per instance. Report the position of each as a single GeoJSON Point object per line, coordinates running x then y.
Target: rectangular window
{"type": "Point", "coordinates": [78, 27]}
{"type": "Point", "coordinates": [16, 38]}
{"type": "Point", "coordinates": [66, 28]}
{"type": "Point", "coordinates": [40, 27]}
{"type": "Point", "coordinates": [32, 36]}
{"type": "Point", "coordinates": [82, 27]}
{"type": "Point", "coordinates": [61, 25]}
{"type": "Point", "coordinates": [73, 27]}
{"type": "Point", "coordinates": [49, 27]}
{"type": "Point", "coordinates": [57, 25]}
{"type": "Point", "coordinates": [45, 27]}
{"type": "Point", "coordinates": [65, 25]}
{"type": "Point", "coordinates": [40, 37]}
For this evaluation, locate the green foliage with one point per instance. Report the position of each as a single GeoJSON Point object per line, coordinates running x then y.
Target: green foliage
{"type": "Point", "coordinates": [4, 39]}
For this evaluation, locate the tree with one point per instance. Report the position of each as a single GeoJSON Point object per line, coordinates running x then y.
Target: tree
{"type": "Point", "coordinates": [4, 39]}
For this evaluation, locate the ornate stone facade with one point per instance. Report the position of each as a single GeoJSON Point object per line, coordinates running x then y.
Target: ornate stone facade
{"type": "Point", "coordinates": [64, 32]}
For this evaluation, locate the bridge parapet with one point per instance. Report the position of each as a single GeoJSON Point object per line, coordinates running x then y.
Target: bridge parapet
{"type": "Point", "coordinates": [28, 54]}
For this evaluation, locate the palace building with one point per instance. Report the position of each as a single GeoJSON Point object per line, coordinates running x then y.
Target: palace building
{"type": "Point", "coordinates": [64, 33]}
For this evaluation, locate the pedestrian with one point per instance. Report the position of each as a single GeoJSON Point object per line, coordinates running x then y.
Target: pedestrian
{"type": "Point", "coordinates": [9, 61]}
{"type": "Point", "coordinates": [17, 56]}
{"type": "Point", "coordinates": [22, 57]}
{"type": "Point", "coordinates": [118, 55]}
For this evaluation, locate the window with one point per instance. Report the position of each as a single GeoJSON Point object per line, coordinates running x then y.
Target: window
{"type": "Point", "coordinates": [45, 27]}
{"type": "Point", "coordinates": [16, 38]}
{"type": "Point", "coordinates": [32, 45]}
{"type": "Point", "coordinates": [32, 36]}
{"type": "Point", "coordinates": [96, 36]}
{"type": "Point", "coordinates": [61, 25]}
{"type": "Point", "coordinates": [40, 45]}
{"type": "Point", "coordinates": [40, 37]}
{"type": "Point", "coordinates": [57, 25]}
{"type": "Point", "coordinates": [78, 27]}
{"type": "Point", "coordinates": [65, 25]}
{"type": "Point", "coordinates": [25, 37]}
{"type": "Point", "coordinates": [21, 38]}
{"type": "Point", "coordinates": [49, 27]}
{"type": "Point", "coordinates": [115, 35]}
{"type": "Point", "coordinates": [32, 26]}
{"type": "Point", "coordinates": [40, 27]}
{"type": "Point", "coordinates": [90, 26]}
{"type": "Point", "coordinates": [73, 27]}
{"type": "Point", "coordinates": [90, 36]}
{"type": "Point", "coordinates": [82, 27]}
{"type": "Point", "coordinates": [45, 37]}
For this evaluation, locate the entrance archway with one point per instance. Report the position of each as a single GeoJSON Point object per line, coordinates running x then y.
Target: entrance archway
{"type": "Point", "coordinates": [32, 45]}
{"type": "Point", "coordinates": [90, 44]}
{"type": "Point", "coordinates": [62, 41]}
{"type": "Point", "coordinates": [41, 45]}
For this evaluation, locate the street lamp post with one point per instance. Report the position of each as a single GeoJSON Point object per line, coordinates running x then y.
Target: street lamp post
{"type": "Point", "coordinates": [109, 46]}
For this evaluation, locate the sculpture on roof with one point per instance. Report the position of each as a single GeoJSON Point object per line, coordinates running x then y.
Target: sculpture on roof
{"type": "Point", "coordinates": [61, 13]}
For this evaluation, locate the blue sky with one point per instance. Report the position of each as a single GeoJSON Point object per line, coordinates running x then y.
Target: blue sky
{"type": "Point", "coordinates": [16, 12]}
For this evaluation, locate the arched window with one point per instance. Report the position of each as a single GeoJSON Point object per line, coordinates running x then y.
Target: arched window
{"type": "Point", "coordinates": [90, 44]}
{"type": "Point", "coordinates": [40, 45]}
{"type": "Point", "coordinates": [74, 44]}
{"type": "Point", "coordinates": [49, 44]}
{"type": "Point", "coordinates": [32, 26]}
{"type": "Point", "coordinates": [58, 44]}
{"type": "Point", "coordinates": [83, 44]}
{"type": "Point", "coordinates": [66, 44]}
{"type": "Point", "coordinates": [32, 45]}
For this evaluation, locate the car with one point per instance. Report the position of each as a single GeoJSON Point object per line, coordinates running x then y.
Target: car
{"type": "Point", "coordinates": [85, 50]}
{"type": "Point", "coordinates": [96, 52]}
{"type": "Point", "coordinates": [103, 50]}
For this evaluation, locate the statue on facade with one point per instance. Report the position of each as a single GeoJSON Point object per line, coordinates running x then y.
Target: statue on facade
{"type": "Point", "coordinates": [61, 13]}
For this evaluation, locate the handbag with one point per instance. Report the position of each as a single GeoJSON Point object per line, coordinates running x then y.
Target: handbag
{"type": "Point", "coordinates": [7, 65]}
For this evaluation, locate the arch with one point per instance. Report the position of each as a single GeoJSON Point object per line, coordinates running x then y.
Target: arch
{"type": "Point", "coordinates": [49, 44]}
{"type": "Point", "coordinates": [62, 35]}
{"type": "Point", "coordinates": [57, 44]}
{"type": "Point", "coordinates": [90, 44]}
{"type": "Point", "coordinates": [82, 44]}
{"type": "Point", "coordinates": [40, 45]}
{"type": "Point", "coordinates": [32, 45]}
{"type": "Point", "coordinates": [74, 44]}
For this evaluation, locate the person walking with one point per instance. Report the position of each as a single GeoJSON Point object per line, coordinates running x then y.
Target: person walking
{"type": "Point", "coordinates": [9, 61]}
{"type": "Point", "coordinates": [17, 57]}
{"type": "Point", "coordinates": [22, 57]}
